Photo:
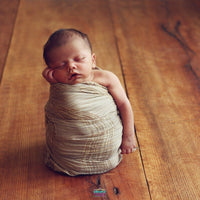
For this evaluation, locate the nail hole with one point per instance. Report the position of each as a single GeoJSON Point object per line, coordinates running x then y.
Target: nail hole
{"type": "Point", "coordinates": [116, 190]}
{"type": "Point", "coordinates": [98, 181]}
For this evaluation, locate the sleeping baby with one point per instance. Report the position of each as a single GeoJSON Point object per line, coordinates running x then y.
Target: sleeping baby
{"type": "Point", "coordinates": [89, 119]}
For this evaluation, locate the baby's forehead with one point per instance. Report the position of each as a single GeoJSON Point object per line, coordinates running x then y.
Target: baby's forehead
{"type": "Point", "coordinates": [80, 40]}
{"type": "Point", "coordinates": [75, 38]}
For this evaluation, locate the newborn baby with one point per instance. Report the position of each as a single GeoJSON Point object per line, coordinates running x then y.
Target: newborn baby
{"type": "Point", "coordinates": [89, 119]}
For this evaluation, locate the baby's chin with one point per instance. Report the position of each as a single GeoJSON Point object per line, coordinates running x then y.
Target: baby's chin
{"type": "Point", "coordinates": [72, 82]}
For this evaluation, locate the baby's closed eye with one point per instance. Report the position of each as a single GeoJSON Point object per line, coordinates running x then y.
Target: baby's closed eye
{"type": "Point", "coordinates": [79, 58]}
{"type": "Point", "coordinates": [60, 66]}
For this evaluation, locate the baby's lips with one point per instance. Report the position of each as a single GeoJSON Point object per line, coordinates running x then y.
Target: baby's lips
{"type": "Point", "coordinates": [72, 75]}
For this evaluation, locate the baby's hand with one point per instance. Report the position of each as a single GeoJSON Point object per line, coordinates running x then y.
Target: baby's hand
{"type": "Point", "coordinates": [48, 75]}
{"type": "Point", "coordinates": [128, 144]}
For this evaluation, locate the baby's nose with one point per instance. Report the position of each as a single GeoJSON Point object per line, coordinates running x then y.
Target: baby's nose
{"type": "Point", "coordinates": [71, 65]}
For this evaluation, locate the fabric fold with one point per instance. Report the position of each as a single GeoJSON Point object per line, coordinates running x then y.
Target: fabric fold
{"type": "Point", "coordinates": [83, 129]}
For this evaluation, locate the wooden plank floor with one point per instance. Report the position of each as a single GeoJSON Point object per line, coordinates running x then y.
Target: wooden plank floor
{"type": "Point", "coordinates": [153, 46]}
{"type": "Point", "coordinates": [8, 11]}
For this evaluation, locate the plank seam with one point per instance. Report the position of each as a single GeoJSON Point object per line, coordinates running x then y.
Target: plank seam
{"type": "Point", "coordinates": [126, 89]}
{"type": "Point", "coordinates": [9, 44]}
{"type": "Point", "coordinates": [145, 176]}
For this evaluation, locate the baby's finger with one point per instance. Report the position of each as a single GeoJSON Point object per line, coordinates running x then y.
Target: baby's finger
{"type": "Point", "coordinates": [45, 72]}
{"type": "Point", "coordinates": [50, 77]}
{"type": "Point", "coordinates": [134, 149]}
{"type": "Point", "coordinates": [123, 151]}
{"type": "Point", "coordinates": [126, 151]}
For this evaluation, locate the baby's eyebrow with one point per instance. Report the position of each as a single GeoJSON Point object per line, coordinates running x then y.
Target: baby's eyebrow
{"type": "Point", "coordinates": [80, 56]}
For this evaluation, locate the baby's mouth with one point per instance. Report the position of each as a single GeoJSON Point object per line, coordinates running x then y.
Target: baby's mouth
{"type": "Point", "coordinates": [74, 75]}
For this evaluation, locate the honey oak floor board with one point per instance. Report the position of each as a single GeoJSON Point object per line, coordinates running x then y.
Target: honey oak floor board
{"type": "Point", "coordinates": [158, 43]}
{"type": "Point", "coordinates": [23, 94]}
{"type": "Point", "coordinates": [8, 11]}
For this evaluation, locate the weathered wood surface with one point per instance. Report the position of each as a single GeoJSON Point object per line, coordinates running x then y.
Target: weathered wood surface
{"type": "Point", "coordinates": [159, 51]}
{"type": "Point", "coordinates": [24, 93]}
{"type": "Point", "coordinates": [8, 13]}
{"type": "Point", "coordinates": [153, 45]}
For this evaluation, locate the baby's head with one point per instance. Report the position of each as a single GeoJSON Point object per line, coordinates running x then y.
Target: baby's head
{"type": "Point", "coordinates": [68, 52]}
{"type": "Point", "coordinates": [61, 37]}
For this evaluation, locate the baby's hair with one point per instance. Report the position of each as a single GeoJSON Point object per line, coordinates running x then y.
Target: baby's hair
{"type": "Point", "coordinates": [60, 37]}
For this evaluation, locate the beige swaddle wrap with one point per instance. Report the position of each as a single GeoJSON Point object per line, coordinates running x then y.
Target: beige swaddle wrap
{"type": "Point", "coordinates": [83, 129]}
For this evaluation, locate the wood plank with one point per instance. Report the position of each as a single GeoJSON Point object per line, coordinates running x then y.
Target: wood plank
{"type": "Point", "coordinates": [24, 93]}
{"type": "Point", "coordinates": [8, 12]}
{"type": "Point", "coordinates": [159, 47]}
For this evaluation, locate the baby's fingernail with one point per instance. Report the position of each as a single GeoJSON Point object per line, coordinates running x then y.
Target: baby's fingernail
{"type": "Point", "coordinates": [135, 148]}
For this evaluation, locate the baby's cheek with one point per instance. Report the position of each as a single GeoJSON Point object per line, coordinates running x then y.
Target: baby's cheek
{"type": "Point", "coordinates": [60, 76]}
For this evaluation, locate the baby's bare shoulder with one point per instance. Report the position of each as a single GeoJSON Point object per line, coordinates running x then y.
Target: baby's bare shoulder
{"type": "Point", "coordinates": [104, 77]}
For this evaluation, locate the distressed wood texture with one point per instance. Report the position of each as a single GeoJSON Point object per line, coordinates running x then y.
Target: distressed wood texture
{"type": "Point", "coordinates": [8, 11]}
{"type": "Point", "coordinates": [159, 46]}
{"type": "Point", "coordinates": [154, 46]}
{"type": "Point", "coordinates": [24, 93]}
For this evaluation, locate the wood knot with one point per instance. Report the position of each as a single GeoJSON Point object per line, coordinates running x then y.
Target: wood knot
{"type": "Point", "coordinates": [116, 190]}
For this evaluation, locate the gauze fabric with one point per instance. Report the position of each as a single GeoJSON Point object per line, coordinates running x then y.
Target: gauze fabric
{"type": "Point", "coordinates": [83, 129]}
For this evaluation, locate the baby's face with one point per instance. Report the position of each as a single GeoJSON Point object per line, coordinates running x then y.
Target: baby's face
{"type": "Point", "coordinates": [72, 62]}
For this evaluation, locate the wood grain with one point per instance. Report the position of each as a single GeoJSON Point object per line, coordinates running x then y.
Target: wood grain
{"type": "Point", "coordinates": [159, 48]}
{"type": "Point", "coordinates": [153, 45]}
{"type": "Point", "coordinates": [8, 11]}
{"type": "Point", "coordinates": [24, 93]}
